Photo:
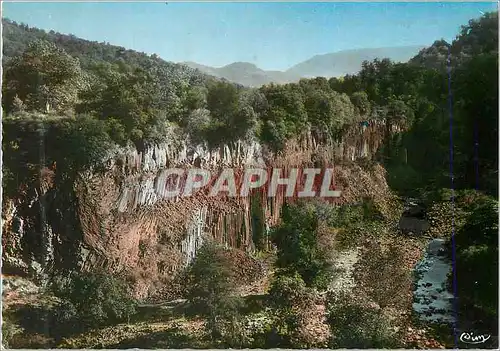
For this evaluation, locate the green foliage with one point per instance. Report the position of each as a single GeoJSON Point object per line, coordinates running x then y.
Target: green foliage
{"type": "Point", "coordinates": [384, 274]}
{"type": "Point", "coordinates": [210, 279]}
{"type": "Point", "coordinates": [232, 118]}
{"type": "Point", "coordinates": [477, 37]}
{"type": "Point", "coordinates": [290, 300]}
{"type": "Point", "coordinates": [210, 290]}
{"type": "Point", "coordinates": [476, 113]}
{"type": "Point", "coordinates": [354, 234]}
{"type": "Point", "coordinates": [354, 325]}
{"type": "Point", "coordinates": [285, 116]}
{"type": "Point", "coordinates": [140, 92]}
{"type": "Point", "coordinates": [43, 78]}
{"type": "Point", "coordinates": [286, 290]}
{"type": "Point", "coordinates": [141, 95]}
{"type": "Point", "coordinates": [92, 299]}
{"type": "Point", "coordinates": [355, 223]}
{"type": "Point", "coordinates": [298, 247]}
{"type": "Point", "coordinates": [34, 141]}
{"type": "Point", "coordinates": [361, 102]}
{"type": "Point", "coordinates": [79, 144]}
{"type": "Point", "coordinates": [116, 131]}
{"type": "Point", "coordinates": [9, 330]}
{"type": "Point", "coordinates": [474, 67]}
{"type": "Point", "coordinates": [477, 257]}
{"type": "Point", "coordinates": [259, 234]}
{"type": "Point", "coordinates": [434, 56]}
{"type": "Point", "coordinates": [404, 179]}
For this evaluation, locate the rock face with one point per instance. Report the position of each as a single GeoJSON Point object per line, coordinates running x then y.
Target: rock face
{"type": "Point", "coordinates": [122, 221]}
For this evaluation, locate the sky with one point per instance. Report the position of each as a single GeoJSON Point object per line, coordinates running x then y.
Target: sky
{"type": "Point", "coordinates": [274, 36]}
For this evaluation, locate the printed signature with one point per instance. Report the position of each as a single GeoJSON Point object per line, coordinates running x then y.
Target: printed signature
{"type": "Point", "coordinates": [470, 338]}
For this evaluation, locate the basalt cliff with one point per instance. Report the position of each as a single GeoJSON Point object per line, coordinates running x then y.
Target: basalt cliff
{"type": "Point", "coordinates": [118, 218]}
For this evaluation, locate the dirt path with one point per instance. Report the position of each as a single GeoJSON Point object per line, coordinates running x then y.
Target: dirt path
{"type": "Point", "coordinates": [344, 266]}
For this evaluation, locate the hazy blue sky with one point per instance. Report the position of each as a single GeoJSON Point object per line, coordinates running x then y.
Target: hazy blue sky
{"type": "Point", "coordinates": [271, 35]}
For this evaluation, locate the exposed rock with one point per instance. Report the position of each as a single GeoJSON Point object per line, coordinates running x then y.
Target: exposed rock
{"type": "Point", "coordinates": [122, 220]}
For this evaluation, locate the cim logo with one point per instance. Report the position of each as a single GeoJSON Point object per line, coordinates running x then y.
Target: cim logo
{"type": "Point", "coordinates": [470, 338]}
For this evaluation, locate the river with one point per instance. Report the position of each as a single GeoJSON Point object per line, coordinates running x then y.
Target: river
{"type": "Point", "coordinates": [432, 301]}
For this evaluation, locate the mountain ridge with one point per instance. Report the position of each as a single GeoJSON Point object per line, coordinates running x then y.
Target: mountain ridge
{"type": "Point", "coordinates": [328, 65]}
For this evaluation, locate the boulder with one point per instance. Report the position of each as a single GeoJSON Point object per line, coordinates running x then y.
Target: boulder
{"type": "Point", "coordinates": [413, 225]}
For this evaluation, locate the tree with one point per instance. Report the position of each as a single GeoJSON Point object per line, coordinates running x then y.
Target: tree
{"type": "Point", "coordinates": [297, 242]}
{"type": "Point", "coordinates": [286, 115]}
{"type": "Point", "coordinates": [78, 145]}
{"type": "Point", "coordinates": [196, 98]}
{"type": "Point", "coordinates": [477, 257]}
{"type": "Point", "coordinates": [327, 110]}
{"type": "Point", "coordinates": [210, 290]}
{"type": "Point", "coordinates": [361, 102]}
{"type": "Point", "coordinates": [44, 77]}
{"type": "Point", "coordinates": [476, 114]}
{"type": "Point", "coordinates": [291, 301]}
{"type": "Point", "coordinates": [124, 95]}
{"type": "Point", "coordinates": [354, 325]}
{"type": "Point", "coordinates": [93, 299]}
{"type": "Point", "coordinates": [434, 57]}
{"type": "Point", "coordinates": [479, 36]}
{"type": "Point", "coordinates": [198, 124]}
{"type": "Point", "coordinates": [232, 118]}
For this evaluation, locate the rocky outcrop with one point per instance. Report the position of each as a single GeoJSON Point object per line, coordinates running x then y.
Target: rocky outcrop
{"type": "Point", "coordinates": [121, 219]}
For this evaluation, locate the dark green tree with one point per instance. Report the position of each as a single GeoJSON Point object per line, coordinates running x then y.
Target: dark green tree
{"type": "Point", "coordinates": [44, 78]}
{"type": "Point", "coordinates": [298, 245]}
{"type": "Point", "coordinates": [211, 288]}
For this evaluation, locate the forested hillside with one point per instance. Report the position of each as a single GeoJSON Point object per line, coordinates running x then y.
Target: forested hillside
{"type": "Point", "coordinates": [134, 96]}
{"type": "Point", "coordinates": [444, 86]}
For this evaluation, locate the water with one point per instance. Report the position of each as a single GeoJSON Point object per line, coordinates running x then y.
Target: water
{"type": "Point", "coordinates": [432, 301]}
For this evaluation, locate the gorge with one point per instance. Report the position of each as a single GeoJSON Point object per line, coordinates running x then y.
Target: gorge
{"type": "Point", "coordinates": [125, 223]}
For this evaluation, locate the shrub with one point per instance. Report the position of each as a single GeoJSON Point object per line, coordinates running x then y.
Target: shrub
{"type": "Point", "coordinates": [290, 300]}
{"type": "Point", "coordinates": [287, 290]}
{"type": "Point", "coordinates": [356, 326]}
{"type": "Point", "coordinates": [9, 331]}
{"type": "Point", "coordinates": [384, 275]}
{"type": "Point", "coordinates": [297, 242]}
{"type": "Point", "coordinates": [477, 257]}
{"type": "Point", "coordinates": [356, 222]}
{"type": "Point", "coordinates": [92, 299]}
{"type": "Point", "coordinates": [116, 131]}
{"type": "Point", "coordinates": [79, 144]}
{"type": "Point", "coordinates": [405, 179]}
{"type": "Point", "coordinates": [210, 289]}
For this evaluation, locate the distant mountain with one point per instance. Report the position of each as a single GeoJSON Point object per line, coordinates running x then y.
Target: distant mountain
{"type": "Point", "coordinates": [349, 61]}
{"type": "Point", "coordinates": [328, 65]}
{"type": "Point", "coordinates": [245, 73]}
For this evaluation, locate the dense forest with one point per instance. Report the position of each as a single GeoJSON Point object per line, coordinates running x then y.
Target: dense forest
{"type": "Point", "coordinates": [91, 95]}
{"type": "Point", "coordinates": [136, 97]}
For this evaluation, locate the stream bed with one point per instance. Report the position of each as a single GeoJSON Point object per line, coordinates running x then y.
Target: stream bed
{"type": "Point", "coordinates": [432, 301]}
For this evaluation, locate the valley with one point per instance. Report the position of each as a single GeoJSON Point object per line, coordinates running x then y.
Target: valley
{"type": "Point", "coordinates": [96, 254]}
